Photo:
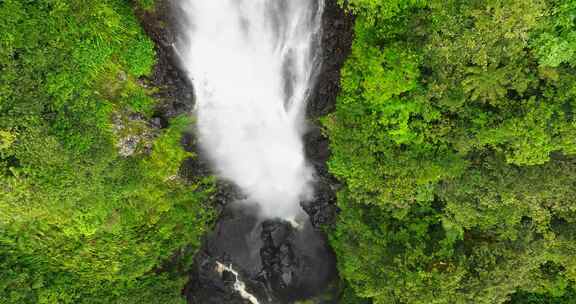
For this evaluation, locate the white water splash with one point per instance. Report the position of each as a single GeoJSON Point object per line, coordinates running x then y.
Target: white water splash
{"type": "Point", "coordinates": [252, 64]}
{"type": "Point", "coordinates": [238, 285]}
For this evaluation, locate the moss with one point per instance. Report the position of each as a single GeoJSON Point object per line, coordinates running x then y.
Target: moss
{"type": "Point", "coordinates": [147, 5]}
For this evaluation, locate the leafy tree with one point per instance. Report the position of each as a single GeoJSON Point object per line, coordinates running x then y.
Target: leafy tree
{"type": "Point", "coordinates": [80, 223]}
{"type": "Point", "coordinates": [454, 136]}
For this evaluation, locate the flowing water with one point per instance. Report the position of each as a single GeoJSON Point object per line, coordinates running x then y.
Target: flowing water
{"type": "Point", "coordinates": [239, 286]}
{"type": "Point", "coordinates": [253, 63]}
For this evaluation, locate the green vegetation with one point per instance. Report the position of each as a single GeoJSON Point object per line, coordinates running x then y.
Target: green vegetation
{"type": "Point", "coordinates": [147, 5]}
{"type": "Point", "coordinates": [531, 298]}
{"type": "Point", "coordinates": [78, 222]}
{"type": "Point", "coordinates": [456, 138]}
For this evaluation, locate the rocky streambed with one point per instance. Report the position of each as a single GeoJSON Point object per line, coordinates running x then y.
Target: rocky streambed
{"type": "Point", "coordinates": [275, 261]}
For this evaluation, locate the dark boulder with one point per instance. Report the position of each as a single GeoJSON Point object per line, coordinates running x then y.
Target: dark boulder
{"type": "Point", "coordinates": [278, 263]}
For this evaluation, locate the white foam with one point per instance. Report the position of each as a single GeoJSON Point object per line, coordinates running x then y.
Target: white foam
{"type": "Point", "coordinates": [252, 64]}
{"type": "Point", "coordinates": [238, 284]}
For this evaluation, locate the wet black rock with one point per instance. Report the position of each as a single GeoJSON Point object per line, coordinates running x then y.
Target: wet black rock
{"type": "Point", "coordinates": [175, 92]}
{"type": "Point", "coordinates": [208, 285]}
{"type": "Point", "coordinates": [322, 210]}
{"type": "Point", "coordinates": [189, 142]}
{"type": "Point", "coordinates": [337, 36]}
{"type": "Point", "coordinates": [234, 243]}
{"type": "Point", "coordinates": [279, 263]}
{"type": "Point", "coordinates": [193, 169]}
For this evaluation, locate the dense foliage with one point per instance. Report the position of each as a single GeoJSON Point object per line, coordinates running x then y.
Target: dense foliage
{"type": "Point", "coordinates": [455, 136]}
{"type": "Point", "coordinates": [78, 222]}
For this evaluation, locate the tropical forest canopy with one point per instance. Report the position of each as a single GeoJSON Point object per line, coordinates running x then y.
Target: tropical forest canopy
{"type": "Point", "coordinates": [455, 136]}
{"type": "Point", "coordinates": [80, 223]}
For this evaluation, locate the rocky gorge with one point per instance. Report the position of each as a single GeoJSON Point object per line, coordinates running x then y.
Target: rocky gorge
{"type": "Point", "coordinates": [277, 261]}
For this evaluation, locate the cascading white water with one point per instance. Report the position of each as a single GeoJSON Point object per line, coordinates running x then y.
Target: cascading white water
{"type": "Point", "coordinates": [239, 286]}
{"type": "Point", "coordinates": [252, 63]}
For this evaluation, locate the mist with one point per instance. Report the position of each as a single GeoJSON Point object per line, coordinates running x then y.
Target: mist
{"type": "Point", "coordinates": [252, 64]}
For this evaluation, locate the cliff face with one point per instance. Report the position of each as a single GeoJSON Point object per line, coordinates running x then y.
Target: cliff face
{"type": "Point", "coordinates": [278, 263]}
{"type": "Point", "coordinates": [175, 91]}
{"type": "Point", "coordinates": [337, 36]}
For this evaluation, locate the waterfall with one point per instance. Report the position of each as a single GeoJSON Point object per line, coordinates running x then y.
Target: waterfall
{"type": "Point", "coordinates": [239, 286]}
{"type": "Point", "coordinates": [253, 64]}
